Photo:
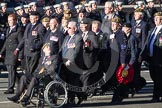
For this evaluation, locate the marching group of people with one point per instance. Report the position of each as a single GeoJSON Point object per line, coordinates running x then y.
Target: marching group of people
{"type": "Point", "coordinates": [40, 41]}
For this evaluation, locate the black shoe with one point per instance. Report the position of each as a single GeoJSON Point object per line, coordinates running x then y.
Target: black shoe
{"type": "Point", "coordinates": [25, 101]}
{"type": "Point", "coordinates": [24, 104]}
{"type": "Point", "coordinates": [9, 92]}
{"type": "Point", "coordinates": [13, 99]}
{"type": "Point", "coordinates": [116, 99]}
{"type": "Point", "coordinates": [155, 100]}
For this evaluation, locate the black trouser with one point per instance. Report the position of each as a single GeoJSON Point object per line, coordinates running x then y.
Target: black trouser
{"type": "Point", "coordinates": [71, 79]}
{"type": "Point", "coordinates": [11, 76]}
{"type": "Point", "coordinates": [31, 63]}
{"type": "Point", "coordinates": [157, 78]}
{"type": "Point", "coordinates": [26, 83]}
{"type": "Point", "coordinates": [138, 81]}
{"type": "Point", "coordinates": [152, 68]}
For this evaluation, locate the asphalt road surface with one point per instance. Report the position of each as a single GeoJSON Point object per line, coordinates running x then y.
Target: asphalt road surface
{"type": "Point", "coordinates": [140, 100]}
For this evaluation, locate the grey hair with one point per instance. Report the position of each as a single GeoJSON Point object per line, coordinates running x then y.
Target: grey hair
{"type": "Point", "coordinates": [73, 23]}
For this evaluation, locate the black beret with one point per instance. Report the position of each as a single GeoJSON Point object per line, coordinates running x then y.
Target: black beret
{"type": "Point", "coordinates": [84, 21]}
{"type": "Point", "coordinates": [25, 15]}
{"type": "Point", "coordinates": [127, 25]}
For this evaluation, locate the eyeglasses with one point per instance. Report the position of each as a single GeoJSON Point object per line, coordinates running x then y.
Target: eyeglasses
{"type": "Point", "coordinates": [69, 28]}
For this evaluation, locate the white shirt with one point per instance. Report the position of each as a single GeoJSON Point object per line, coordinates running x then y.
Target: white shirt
{"type": "Point", "coordinates": [12, 28]}
{"type": "Point", "coordinates": [153, 39]}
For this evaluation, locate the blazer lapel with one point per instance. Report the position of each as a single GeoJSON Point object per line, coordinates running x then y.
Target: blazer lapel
{"type": "Point", "coordinates": [158, 35]}
{"type": "Point", "coordinates": [10, 32]}
{"type": "Point", "coordinates": [7, 34]}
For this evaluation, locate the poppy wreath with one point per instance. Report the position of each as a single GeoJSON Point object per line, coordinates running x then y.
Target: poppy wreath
{"type": "Point", "coordinates": [123, 75]}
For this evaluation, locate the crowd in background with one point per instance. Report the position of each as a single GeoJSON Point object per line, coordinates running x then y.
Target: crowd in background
{"type": "Point", "coordinates": [82, 35]}
{"type": "Point", "coordinates": [13, 3]}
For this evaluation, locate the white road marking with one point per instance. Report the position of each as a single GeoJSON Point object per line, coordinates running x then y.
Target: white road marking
{"type": "Point", "coordinates": [4, 102]}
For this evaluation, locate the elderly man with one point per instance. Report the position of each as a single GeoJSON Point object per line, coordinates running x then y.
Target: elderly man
{"type": "Point", "coordinates": [152, 53]}
{"type": "Point", "coordinates": [140, 31]}
{"type": "Point", "coordinates": [109, 14]}
{"type": "Point", "coordinates": [71, 52]}
{"type": "Point", "coordinates": [31, 43]}
{"type": "Point", "coordinates": [117, 40]}
{"type": "Point", "coordinates": [45, 70]}
{"type": "Point", "coordinates": [54, 36]}
{"type": "Point", "coordinates": [90, 44]}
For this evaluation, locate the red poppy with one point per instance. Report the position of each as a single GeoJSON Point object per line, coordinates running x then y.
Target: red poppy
{"type": "Point", "coordinates": [124, 75]}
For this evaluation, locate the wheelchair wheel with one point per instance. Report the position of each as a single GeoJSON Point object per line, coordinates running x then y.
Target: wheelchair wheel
{"type": "Point", "coordinates": [55, 94]}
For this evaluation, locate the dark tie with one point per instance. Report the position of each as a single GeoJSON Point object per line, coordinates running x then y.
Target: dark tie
{"type": "Point", "coordinates": [31, 27]}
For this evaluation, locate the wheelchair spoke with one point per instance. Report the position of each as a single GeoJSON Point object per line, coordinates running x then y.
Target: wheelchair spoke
{"type": "Point", "coordinates": [55, 94]}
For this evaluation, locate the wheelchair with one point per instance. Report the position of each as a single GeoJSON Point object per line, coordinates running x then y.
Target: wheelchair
{"type": "Point", "coordinates": [53, 93]}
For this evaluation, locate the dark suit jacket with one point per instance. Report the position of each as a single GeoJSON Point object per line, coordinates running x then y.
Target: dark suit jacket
{"type": "Point", "coordinates": [49, 64]}
{"type": "Point", "coordinates": [142, 34]}
{"type": "Point", "coordinates": [55, 39]}
{"type": "Point", "coordinates": [106, 24]}
{"type": "Point", "coordinates": [12, 40]}
{"type": "Point", "coordinates": [131, 50]}
{"type": "Point", "coordinates": [90, 53]}
{"type": "Point", "coordinates": [121, 45]}
{"type": "Point", "coordinates": [74, 51]}
{"type": "Point", "coordinates": [157, 49]}
{"type": "Point", "coordinates": [32, 42]}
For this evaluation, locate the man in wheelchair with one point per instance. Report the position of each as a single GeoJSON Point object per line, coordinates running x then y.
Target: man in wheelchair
{"type": "Point", "coordinates": [46, 70]}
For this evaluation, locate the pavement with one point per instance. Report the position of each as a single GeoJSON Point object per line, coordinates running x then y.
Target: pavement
{"type": "Point", "coordinates": [140, 100]}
